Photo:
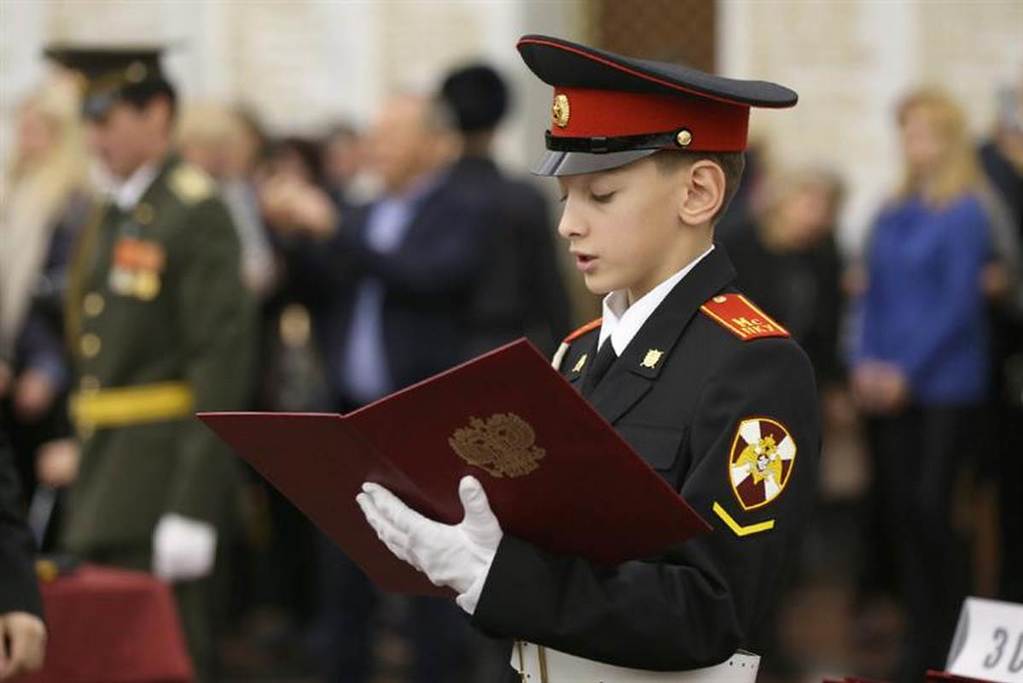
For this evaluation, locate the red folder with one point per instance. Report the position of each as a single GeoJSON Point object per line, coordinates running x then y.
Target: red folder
{"type": "Point", "coordinates": [556, 473]}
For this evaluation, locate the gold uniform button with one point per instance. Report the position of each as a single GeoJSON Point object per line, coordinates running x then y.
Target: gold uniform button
{"type": "Point", "coordinates": [89, 383]}
{"type": "Point", "coordinates": [93, 304]}
{"type": "Point", "coordinates": [684, 138]}
{"type": "Point", "coordinates": [90, 345]}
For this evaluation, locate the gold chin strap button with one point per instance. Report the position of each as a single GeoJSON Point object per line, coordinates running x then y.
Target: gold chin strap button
{"type": "Point", "coordinates": [684, 138]}
{"type": "Point", "coordinates": [93, 304]}
{"type": "Point", "coordinates": [90, 345]}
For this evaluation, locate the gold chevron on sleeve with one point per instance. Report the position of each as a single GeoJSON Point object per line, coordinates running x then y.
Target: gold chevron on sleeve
{"type": "Point", "coordinates": [737, 528]}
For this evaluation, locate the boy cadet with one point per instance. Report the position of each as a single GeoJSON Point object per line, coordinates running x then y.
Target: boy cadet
{"type": "Point", "coordinates": [160, 326]}
{"type": "Point", "coordinates": [706, 387]}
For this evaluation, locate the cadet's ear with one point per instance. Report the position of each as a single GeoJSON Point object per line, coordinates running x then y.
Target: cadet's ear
{"type": "Point", "coordinates": [703, 193]}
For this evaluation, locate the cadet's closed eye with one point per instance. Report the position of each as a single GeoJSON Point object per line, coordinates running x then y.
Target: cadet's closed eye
{"type": "Point", "coordinates": [602, 198]}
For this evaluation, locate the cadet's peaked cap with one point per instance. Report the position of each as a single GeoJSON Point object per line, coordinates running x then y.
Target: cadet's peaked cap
{"type": "Point", "coordinates": [107, 71]}
{"type": "Point", "coordinates": [610, 110]}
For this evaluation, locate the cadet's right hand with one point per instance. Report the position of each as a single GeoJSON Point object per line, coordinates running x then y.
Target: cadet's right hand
{"type": "Point", "coordinates": [57, 462]}
{"type": "Point", "coordinates": [22, 644]}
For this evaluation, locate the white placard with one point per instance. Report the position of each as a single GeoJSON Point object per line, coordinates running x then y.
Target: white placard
{"type": "Point", "coordinates": [989, 641]}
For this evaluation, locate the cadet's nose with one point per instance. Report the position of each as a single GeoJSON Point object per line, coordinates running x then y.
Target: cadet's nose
{"type": "Point", "coordinates": [571, 224]}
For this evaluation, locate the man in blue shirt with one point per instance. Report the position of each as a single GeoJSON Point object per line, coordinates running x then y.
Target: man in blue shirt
{"type": "Point", "coordinates": [389, 286]}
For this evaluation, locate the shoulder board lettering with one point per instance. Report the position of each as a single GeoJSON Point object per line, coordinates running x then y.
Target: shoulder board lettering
{"type": "Point", "coordinates": [190, 184]}
{"type": "Point", "coordinates": [741, 317]}
{"type": "Point", "coordinates": [592, 325]}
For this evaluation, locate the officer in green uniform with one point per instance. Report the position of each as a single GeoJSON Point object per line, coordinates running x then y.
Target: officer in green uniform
{"type": "Point", "coordinates": [160, 326]}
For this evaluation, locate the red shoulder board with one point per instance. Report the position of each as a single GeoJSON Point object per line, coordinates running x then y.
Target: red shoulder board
{"type": "Point", "coordinates": [741, 317]}
{"type": "Point", "coordinates": [592, 325]}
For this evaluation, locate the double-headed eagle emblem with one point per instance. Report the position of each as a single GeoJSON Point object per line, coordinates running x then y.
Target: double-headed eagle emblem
{"type": "Point", "coordinates": [503, 444]}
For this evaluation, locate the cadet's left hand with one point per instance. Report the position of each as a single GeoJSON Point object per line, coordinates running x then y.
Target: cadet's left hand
{"type": "Point", "coordinates": [457, 556]}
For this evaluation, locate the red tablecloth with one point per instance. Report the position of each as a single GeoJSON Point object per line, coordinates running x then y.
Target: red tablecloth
{"type": "Point", "coordinates": [944, 676]}
{"type": "Point", "coordinates": [112, 626]}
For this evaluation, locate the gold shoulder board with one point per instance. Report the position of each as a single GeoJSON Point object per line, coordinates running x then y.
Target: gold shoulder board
{"type": "Point", "coordinates": [190, 184]}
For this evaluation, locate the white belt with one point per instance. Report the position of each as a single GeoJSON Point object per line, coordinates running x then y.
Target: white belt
{"type": "Point", "coordinates": [538, 664]}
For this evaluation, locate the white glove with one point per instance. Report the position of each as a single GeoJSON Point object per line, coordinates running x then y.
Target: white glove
{"type": "Point", "coordinates": [183, 548]}
{"type": "Point", "coordinates": [458, 556]}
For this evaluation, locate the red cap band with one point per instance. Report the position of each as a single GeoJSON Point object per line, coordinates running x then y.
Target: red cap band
{"type": "Point", "coordinates": [715, 126]}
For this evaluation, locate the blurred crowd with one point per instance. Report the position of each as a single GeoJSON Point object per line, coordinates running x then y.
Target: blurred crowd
{"type": "Point", "coordinates": [378, 257]}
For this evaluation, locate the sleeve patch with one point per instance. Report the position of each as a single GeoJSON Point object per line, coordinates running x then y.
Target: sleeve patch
{"type": "Point", "coordinates": [741, 317]}
{"type": "Point", "coordinates": [761, 461]}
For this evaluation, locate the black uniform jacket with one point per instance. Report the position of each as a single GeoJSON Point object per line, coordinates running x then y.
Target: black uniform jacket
{"type": "Point", "coordinates": [19, 591]}
{"type": "Point", "coordinates": [709, 411]}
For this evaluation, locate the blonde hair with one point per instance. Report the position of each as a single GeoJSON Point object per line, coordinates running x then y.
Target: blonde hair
{"type": "Point", "coordinates": [65, 164]}
{"type": "Point", "coordinates": [958, 171]}
{"type": "Point", "coordinates": [37, 189]}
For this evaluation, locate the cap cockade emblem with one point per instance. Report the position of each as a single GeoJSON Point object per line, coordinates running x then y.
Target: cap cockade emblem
{"type": "Point", "coordinates": [503, 444]}
{"type": "Point", "coordinates": [561, 111]}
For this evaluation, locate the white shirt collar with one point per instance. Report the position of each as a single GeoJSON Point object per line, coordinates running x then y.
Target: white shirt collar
{"type": "Point", "coordinates": [622, 321]}
{"type": "Point", "coordinates": [127, 194]}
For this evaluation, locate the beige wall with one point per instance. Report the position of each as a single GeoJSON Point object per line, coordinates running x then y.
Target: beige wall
{"type": "Point", "coordinates": [299, 63]}
{"type": "Point", "coordinates": [302, 63]}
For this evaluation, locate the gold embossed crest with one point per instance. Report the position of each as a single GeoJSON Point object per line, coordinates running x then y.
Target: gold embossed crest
{"type": "Point", "coordinates": [503, 444]}
{"type": "Point", "coordinates": [561, 110]}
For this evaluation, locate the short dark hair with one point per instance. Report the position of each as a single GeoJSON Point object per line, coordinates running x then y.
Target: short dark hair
{"type": "Point", "coordinates": [732, 165]}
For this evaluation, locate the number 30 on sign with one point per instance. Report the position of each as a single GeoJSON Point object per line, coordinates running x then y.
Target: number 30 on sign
{"type": "Point", "coordinates": [989, 641]}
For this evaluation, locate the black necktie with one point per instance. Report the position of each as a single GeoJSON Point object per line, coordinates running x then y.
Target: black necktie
{"type": "Point", "coordinates": [601, 364]}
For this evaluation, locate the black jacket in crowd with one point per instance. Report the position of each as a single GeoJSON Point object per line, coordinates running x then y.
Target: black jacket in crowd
{"type": "Point", "coordinates": [19, 591]}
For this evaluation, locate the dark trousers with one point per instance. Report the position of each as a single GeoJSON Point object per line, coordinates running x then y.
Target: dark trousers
{"type": "Point", "coordinates": [436, 627]}
{"type": "Point", "coordinates": [1011, 504]}
{"type": "Point", "coordinates": [919, 457]}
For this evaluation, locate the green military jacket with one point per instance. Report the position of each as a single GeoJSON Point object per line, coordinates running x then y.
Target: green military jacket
{"type": "Point", "coordinates": [160, 326]}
